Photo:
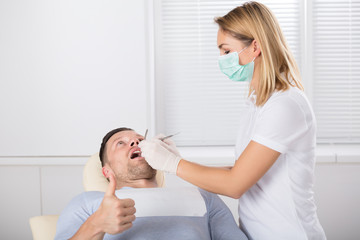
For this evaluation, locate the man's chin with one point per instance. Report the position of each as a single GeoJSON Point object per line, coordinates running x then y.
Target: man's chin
{"type": "Point", "coordinates": [142, 171]}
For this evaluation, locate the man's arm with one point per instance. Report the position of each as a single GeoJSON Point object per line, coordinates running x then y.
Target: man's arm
{"type": "Point", "coordinates": [221, 221]}
{"type": "Point", "coordinates": [113, 216]}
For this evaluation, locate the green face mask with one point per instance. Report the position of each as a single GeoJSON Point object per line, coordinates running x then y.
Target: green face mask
{"type": "Point", "coordinates": [229, 65]}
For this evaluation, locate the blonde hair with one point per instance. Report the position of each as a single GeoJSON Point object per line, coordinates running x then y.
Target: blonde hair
{"type": "Point", "coordinates": [278, 69]}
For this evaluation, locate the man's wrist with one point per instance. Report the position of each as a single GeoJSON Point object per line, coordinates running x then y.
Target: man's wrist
{"type": "Point", "coordinates": [90, 230]}
{"type": "Point", "coordinates": [93, 227]}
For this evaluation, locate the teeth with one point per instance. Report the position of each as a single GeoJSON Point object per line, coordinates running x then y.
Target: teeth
{"type": "Point", "coordinates": [135, 154]}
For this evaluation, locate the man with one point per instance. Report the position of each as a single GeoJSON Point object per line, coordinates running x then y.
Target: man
{"type": "Point", "coordinates": [97, 215]}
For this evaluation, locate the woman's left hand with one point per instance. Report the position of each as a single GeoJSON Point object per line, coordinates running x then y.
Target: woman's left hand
{"type": "Point", "coordinates": [160, 155]}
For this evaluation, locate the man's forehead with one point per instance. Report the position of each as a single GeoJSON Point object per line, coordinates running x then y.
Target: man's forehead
{"type": "Point", "coordinates": [123, 134]}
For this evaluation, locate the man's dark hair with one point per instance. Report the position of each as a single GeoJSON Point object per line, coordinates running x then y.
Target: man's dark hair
{"type": "Point", "coordinates": [102, 152]}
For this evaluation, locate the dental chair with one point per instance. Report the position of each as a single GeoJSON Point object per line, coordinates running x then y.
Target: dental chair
{"type": "Point", "coordinates": [44, 227]}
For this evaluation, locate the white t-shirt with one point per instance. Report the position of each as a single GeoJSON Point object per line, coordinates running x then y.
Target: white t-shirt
{"type": "Point", "coordinates": [281, 204]}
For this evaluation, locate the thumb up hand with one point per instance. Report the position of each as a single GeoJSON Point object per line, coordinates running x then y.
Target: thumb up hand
{"type": "Point", "coordinates": [115, 215]}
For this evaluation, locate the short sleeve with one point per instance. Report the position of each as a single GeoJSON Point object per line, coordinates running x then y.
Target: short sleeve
{"type": "Point", "coordinates": [75, 214]}
{"type": "Point", "coordinates": [280, 124]}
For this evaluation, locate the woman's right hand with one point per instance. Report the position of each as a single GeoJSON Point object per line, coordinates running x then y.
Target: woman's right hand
{"type": "Point", "coordinates": [172, 146]}
{"type": "Point", "coordinates": [160, 155]}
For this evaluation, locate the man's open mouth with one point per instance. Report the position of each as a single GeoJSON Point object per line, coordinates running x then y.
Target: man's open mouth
{"type": "Point", "coordinates": [135, 154]}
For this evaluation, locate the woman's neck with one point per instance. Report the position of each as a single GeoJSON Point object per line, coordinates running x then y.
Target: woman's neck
{"type": "Point", "coordinates": [255, 79]}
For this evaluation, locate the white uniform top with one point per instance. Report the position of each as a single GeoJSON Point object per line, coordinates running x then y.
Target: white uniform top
{"type": "Point", "coordinates": [281, 204]}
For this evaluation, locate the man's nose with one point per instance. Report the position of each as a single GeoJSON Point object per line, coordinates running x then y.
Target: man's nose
{"type": "Point", "coordinates": [134, 142]}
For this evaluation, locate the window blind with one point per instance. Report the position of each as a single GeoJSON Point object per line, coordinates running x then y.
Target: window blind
{"type": "Point", "coordinates": [336, 70]}
{"type": "Point", "coordinates": [193, 97]}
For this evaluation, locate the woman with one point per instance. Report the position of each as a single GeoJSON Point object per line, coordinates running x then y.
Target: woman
{"type": "Point", "coordinates": [273, 175]}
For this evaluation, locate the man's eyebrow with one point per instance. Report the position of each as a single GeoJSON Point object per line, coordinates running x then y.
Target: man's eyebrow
{"type": "Point", "coordinates": [139, 135]}
{"type": "Point", "coordinates": [115, 140]}
{"type": "Point", "coordinates": [221, 45]}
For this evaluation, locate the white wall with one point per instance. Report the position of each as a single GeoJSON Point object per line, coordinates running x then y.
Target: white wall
{"type": "Point", "coordinates": [20, 200]}
{"type": "Point", "coordinates": [69, 72]}
{"type": "Point", "coordinates": [72, 70]}
{"type": "Point", "coordinates": [338, 199]}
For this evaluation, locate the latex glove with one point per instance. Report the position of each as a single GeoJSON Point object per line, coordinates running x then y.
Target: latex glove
{"type": "Point", "coordinates": [169, 142]}
{"type": "Point", "coordinates": [160, 155]}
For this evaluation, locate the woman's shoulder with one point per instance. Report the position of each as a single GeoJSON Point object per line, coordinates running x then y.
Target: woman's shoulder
{"type": "Point", "coordinates": [292, 92]}
{"type": "Point", "coordinates": [290, 97]}
{"type": "Point", "coordinates": [292, 103]}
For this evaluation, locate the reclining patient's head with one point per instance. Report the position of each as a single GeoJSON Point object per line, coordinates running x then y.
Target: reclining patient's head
{"type": "Point", "coordinates": [119, 154]}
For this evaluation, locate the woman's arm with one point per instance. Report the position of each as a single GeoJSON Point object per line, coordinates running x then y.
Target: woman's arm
{"type": "Point", "coordinates": [252, 164]}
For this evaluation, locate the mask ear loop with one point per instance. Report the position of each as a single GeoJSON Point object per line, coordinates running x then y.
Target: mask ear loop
{"type": "Point", "coordinates": [242, 49]}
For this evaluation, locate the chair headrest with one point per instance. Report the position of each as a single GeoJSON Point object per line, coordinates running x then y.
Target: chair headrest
{"type": "Point", "coordinates": [94, 180]}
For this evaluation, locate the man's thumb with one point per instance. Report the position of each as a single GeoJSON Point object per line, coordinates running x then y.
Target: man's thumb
{"type": "Point", "coordinates": [110, 191]}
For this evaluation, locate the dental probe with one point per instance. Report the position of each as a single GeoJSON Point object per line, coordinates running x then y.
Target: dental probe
{"type": "Point", "coordinates": [145, 134]}
{"type": "Point", "coordinates": [169, 136]}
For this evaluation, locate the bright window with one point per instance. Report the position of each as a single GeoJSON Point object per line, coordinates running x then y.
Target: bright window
{"type": "Point", "coordinates": [195, 98]}
{"type": "Point", "coordinates": [336, 70]}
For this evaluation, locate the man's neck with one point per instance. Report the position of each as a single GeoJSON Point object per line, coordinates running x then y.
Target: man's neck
{"type": "Point", "coordinates": [138, 183]}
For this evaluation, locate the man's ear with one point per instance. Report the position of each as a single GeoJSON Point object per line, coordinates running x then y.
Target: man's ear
{"type": "Point", "coordinates": [106, 171]}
